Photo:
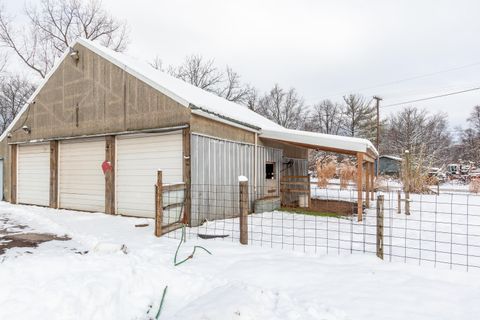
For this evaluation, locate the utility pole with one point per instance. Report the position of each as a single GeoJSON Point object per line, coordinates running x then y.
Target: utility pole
{"type": "Point", "coordinates": [377, 142]}
{"type": "Point", "coordinates": [378, 99]}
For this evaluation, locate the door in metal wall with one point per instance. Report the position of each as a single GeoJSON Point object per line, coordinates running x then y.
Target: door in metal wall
{"type": "Point", "coordinates": [33, 174]}
{"type": "Point", "coordinates": [138, 159]}
{"type": "Point", "coordinates": [81, 179]}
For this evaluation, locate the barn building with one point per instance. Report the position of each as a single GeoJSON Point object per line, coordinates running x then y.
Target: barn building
{"type": "Point", "coordinates": [100, 108]}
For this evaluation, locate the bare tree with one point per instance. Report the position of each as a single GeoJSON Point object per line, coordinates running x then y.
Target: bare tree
{"type": "Point", "coordinates": [474, 119]}
{"type": "Point", "coordinates": [286, 108]}
{"type": "Point", "coordinates": [252, 100]}
{"type": "Point", "coordinates": [419, 132]}
{"type": "Point", "coordinates": [326, 117]}
{"type": "Point", "coordinates": [199, 72]}
{"type": "Point", "coordinates": [204, 74]}
{"type": "Point", "coordinates": [357, 114]}
{"type": "Point", "coordinates": [53, 26]}
{"type": "Point", "coordinates": [233, 89]}
{"type": "Point", "coordinates": [157, 63]}
{"type": "Point", "coordinates": [469, 148]}
{"type": "Point", "coordinates": [14, 93]}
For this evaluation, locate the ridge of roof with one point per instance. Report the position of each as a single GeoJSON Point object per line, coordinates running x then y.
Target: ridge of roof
{"type": "Point", "coordinates": [189, 95]}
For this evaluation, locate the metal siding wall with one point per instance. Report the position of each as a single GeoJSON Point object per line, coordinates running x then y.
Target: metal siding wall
{"type": "Point", "coordinates": [216, 165]}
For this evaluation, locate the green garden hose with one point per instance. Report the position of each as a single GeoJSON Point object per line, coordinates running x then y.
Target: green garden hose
{"type": "Point", "coordinates": [182, 240]}
{"type": "Point", "coordinates": [161, 303]}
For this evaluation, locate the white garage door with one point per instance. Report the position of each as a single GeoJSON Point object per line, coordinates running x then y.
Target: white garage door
{"type": "Point", "coordinates": [33, 180]}
{"type": "Point", "coordinates": [81, 179]}
{"type": "Point", "coordinates": [138, 159]}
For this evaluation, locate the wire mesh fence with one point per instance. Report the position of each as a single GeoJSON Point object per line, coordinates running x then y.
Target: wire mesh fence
{"type": "Point", "coordinates": [440, 230]}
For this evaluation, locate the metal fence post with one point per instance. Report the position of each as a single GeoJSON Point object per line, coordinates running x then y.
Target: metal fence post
{"type": "Point", "coordinates": [243, 184]}
{"type": "Point", "coordinates": [158, 204]}
{"type": "Point", "coordinates": [380, 226]}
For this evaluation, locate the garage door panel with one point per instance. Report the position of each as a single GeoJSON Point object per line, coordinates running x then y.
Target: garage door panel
{"type": "Point", "coordinates": [33, 179]}
{"type": "Point", "coordinates": [174, 176]}
{"type": "Point", "coordinates": [81, 180]}
{"type": "Point", "coordinates": [138, 159]}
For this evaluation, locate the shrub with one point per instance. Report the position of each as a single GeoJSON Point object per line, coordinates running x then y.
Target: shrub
{"type": "Point", "coordinates": [326, 170]}
{"type": "Point", "coordinates": [347, 173]}
{"type": "Point", "coordinates": [474, 186]}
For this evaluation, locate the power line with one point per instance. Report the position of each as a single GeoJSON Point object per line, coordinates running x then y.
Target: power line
{"type": "Point", "coordinates": [389, 83]}
{"type": "Point", "coordinates": [430, 98]}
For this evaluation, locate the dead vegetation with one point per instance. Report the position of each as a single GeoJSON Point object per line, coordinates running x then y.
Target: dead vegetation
{"type": "Point", "coordinates": [347, 173]}
{"type": "Point", "coordinates": [326, 170]}
{"type": "Point", "coordinates": [474, 186]}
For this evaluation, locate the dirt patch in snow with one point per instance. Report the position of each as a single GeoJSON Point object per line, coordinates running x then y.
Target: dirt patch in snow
{"type": "Point", "coordinates": [14, 235]}
{"type": "Point", "coordinates": [27, 240]}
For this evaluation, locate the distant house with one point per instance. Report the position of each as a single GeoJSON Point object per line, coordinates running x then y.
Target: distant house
{"type": "Point", "coordinates": [390, 165]}
{"type": "Point", "coordinates": [101, 124]}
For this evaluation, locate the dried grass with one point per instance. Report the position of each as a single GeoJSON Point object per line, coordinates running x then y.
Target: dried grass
{"type": "Point", "coordinates": [326, 170]}
{"type": "Point", "coordinates": [474, 186]}
{"type": "Point", "coordinates": [347, 173]}
{"type": "Point", "coordinates": [381, 184]}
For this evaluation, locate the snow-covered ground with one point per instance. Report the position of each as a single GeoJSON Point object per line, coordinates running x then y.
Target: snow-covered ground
{"type": "Point", "coordinates": [441, 231]}
{"type": "Point", "coordinates": [89, 278]}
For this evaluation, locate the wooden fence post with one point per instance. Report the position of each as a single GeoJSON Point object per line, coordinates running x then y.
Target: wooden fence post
{"type": "Point", "coordinates": [399, 201]}
{"type": "Point", "coordinates": [407, 187]}
{"type": "Point", "coordinates": [243, 184]}
{"type": "Point", "coordinates": [380, 226]}
{"type": "Point", "coordinates": [158, 204]}
{"type": "Point", "coordinates": [407, 203]}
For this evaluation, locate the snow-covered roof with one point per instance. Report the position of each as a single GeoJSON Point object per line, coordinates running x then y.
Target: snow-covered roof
{"type": "Point", "coordinates": [208, 104]}
{"type": "Point", "coordinates": [327, 141]}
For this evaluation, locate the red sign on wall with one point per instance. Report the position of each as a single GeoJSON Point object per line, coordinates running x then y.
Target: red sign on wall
{"type": "Point", "coordinates": [106, 166]}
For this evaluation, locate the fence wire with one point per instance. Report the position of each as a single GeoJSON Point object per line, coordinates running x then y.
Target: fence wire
{"type": "Point", "coordinates": [441, 230]}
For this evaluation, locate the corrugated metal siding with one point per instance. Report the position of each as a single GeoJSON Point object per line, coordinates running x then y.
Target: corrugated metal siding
{"type": "Point", "coordinates": [298, 168]}
{"type": "Point", "coordinates": [216, 165]}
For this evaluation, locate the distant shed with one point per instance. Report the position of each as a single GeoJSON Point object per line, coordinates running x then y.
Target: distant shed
{"type": "Point", "coordinates": [390, 165]}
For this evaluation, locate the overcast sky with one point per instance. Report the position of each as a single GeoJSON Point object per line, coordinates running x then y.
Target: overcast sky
{"type": "Point", "coordinates": [322, 48]}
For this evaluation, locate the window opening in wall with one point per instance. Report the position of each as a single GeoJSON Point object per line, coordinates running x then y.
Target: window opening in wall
{"type": "Point", "coordinates": [270, 170]}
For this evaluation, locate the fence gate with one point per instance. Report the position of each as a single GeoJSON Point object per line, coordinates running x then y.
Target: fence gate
{"type": "Point", "coordinates": [295, 191]}
{"type": "Point", "coordinates": [169, 206]}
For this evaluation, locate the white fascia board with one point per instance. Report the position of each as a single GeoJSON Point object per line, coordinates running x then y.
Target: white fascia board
{"type": "Point", "coordinates": [320, 140]}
